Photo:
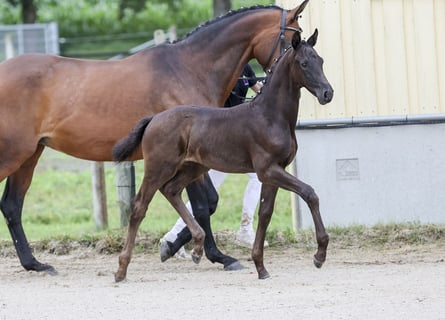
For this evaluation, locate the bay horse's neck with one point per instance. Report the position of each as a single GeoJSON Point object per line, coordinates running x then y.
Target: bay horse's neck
{"type": "Point", "coordinates": [281, 94]}
{"type": "Point", "coordinates": [217, 53]}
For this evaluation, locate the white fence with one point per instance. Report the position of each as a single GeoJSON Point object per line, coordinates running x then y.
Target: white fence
{"type": "Point", "coordinates": [26, 38]}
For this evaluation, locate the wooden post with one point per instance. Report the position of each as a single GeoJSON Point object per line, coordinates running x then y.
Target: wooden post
{"type": "Point", "coordinates": [125, 182]}
{"type": "Point", "coordinates": [125, 176]}
{"type": "Point", "coordinates": [99, 195]}
{"type": "Point", "coordinates": [9, 46]}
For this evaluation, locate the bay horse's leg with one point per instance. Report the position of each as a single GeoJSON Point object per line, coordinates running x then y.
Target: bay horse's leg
{"type": "Point", "coordinates": [267, 203]}
{"type": "Point", "coordinates": [276, 175]}
{"type": "Point", "coordinates": [11, 205]}
{"type": "Point", "coordinates": [139, 207]}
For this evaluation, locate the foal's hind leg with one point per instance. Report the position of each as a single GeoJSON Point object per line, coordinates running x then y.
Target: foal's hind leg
{"type": "Point", "coordinates": [204, 199]}
{"type": "Point", "coordinates": [138, 210]}
{"type": "Point", "coordinates": [172, 191]}
{"type": "Point", "coordinates": [11, 204]}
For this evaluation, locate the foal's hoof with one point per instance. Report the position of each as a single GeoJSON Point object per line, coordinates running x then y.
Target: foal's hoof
{"type": "Point", "coordinates": [118, 278]}
{"type": "Point", "coordinates": [234, 266]}
{"type": "Point", "coordinates": [318, 263]}
{"type": "Point", "coordinates": [196, 258]}
{"type": "Point", "coordinates": [164, 250]}
{"type": "Point", "coordinates": [263, 275]}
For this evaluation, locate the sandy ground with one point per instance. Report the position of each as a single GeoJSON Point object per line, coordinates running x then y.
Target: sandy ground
{"type": "Point", "coordinates": [401, 283]}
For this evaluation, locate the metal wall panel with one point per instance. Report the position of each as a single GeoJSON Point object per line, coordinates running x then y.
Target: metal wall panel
{"type": "Point", "coordinates": [383, 57]}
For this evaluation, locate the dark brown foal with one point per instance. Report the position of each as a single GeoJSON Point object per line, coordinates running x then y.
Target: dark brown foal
{"type": "Point", "coordinates": [180, 144]}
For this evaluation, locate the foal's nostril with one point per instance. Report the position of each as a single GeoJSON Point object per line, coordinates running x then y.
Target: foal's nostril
{"type": "Point", "coordinates": [328, 94]}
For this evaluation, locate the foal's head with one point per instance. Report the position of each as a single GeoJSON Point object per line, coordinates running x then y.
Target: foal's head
{"type": "Point", "coordinates": [310, 68]}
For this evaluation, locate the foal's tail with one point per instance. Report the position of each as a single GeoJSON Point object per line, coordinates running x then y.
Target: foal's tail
{"type": "Point", "coordinates": [125, 147]}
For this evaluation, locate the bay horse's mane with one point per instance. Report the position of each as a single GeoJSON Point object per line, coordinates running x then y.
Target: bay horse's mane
{"type": "Point", "coordinates": [224, 16]}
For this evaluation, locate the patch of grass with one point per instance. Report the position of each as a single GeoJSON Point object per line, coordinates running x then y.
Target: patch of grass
{"type": "Point", "coordinates": [58, 209]}
{"type": "Point", "coordinates": [59, 203]}
{"type": "Point", "coordinates": [410, 233]}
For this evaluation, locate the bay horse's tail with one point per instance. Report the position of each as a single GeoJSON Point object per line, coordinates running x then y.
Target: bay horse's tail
{"type": "Point", "coordinates": [125, 147]}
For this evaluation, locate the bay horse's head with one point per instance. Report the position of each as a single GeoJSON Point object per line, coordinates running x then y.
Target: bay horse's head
{"type": "Point", "coordinates": [310, 68]}
{"type": "Point", "coordinates": [288, 25]}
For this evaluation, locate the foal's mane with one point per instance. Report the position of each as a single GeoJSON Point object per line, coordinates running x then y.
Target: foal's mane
{"type": "Point", "coordinates": [270, 71]}
{"type": "Point", "coordinates": [224, 16]}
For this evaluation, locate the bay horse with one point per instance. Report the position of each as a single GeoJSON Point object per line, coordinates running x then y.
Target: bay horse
{"type": "Point", "coordinates": [180, 144]}
{"type": "Point", "coordinates": [82, 107]}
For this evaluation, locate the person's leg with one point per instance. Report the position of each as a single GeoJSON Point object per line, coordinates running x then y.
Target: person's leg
{"type": "Point", "coordinates": [246, 235]}
{"type": "Point", "coordinates": [217, 178]}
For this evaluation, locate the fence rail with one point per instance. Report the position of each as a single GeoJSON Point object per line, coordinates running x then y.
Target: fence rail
{"type": "Point", "coordinates": [24, 38]}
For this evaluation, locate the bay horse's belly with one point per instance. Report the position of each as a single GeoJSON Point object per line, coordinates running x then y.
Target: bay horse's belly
{"type": "Point", "coordinates": [82, 108]}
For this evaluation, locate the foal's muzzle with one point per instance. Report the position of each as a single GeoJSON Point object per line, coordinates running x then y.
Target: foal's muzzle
{"type": "Point", "coordinates": [327, 96]}
{"type": "Point", "coordinates": [324, 95]}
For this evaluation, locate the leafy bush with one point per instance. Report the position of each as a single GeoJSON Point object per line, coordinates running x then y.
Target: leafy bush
{"type": "Point", "coordinates": [104, 26]}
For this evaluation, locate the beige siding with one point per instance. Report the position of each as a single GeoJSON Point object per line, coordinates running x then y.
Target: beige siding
{"type": "Point", "coordinates": [383, 57]}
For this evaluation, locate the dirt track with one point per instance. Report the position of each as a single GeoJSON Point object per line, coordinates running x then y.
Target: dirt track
{"type": "Point", "coordinates": [405, 283]}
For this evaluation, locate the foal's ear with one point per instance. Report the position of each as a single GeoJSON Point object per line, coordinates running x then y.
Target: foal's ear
{"type": "Point", "coordinates": [296, 40]}
{"type": "Point", "coordinates": [313, 39]}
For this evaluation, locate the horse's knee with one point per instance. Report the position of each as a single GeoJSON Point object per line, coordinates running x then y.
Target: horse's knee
{"type": "Point", "coordinates": [310, 196]}
{"type": "Point", "coordinates": [11, 210]}
{"type": "Point", "coordinates": [212, 200]}
{"type": "Point", "coordinates": [213, 204]}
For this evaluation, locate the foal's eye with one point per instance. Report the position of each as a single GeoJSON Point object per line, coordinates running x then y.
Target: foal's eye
{"type": "Point", "coordinates": [304, 64]}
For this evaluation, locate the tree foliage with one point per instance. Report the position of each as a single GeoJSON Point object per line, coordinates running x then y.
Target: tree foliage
{"type": "Point", "coordinates": [121, 20]}
{"type": "Point", "coordinates": [98, 17]}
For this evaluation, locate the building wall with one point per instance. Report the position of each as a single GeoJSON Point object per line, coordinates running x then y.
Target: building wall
{"type": "Point", "coordinates": [374, 175]}
{"type": "Point", "coordinates": [383, 57]}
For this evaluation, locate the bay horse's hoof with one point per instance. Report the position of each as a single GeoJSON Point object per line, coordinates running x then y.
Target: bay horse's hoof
{"type": "Point", "coordinates": [50, 270]}
{"type": "Point", "coordinates": [318, 263]}
{"type": "Point", "coordinates": [164, 250]}
{"type": "Point", "coordinates": [234, 266]}
{"type": "Point", "coordinates": [41, 267]}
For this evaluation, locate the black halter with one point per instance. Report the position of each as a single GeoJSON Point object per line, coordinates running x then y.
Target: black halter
{"type": "Point", "coordinates": [281, 37]}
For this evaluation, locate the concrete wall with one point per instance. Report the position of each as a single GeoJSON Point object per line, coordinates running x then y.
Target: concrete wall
{"type": "Point", "coordinates": [374, 174]}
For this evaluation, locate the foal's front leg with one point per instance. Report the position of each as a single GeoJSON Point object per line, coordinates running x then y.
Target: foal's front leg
{"type": "Point", "coordinates": [278, 176]}
{"type": "Point", "coordinates": [267, 202]}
